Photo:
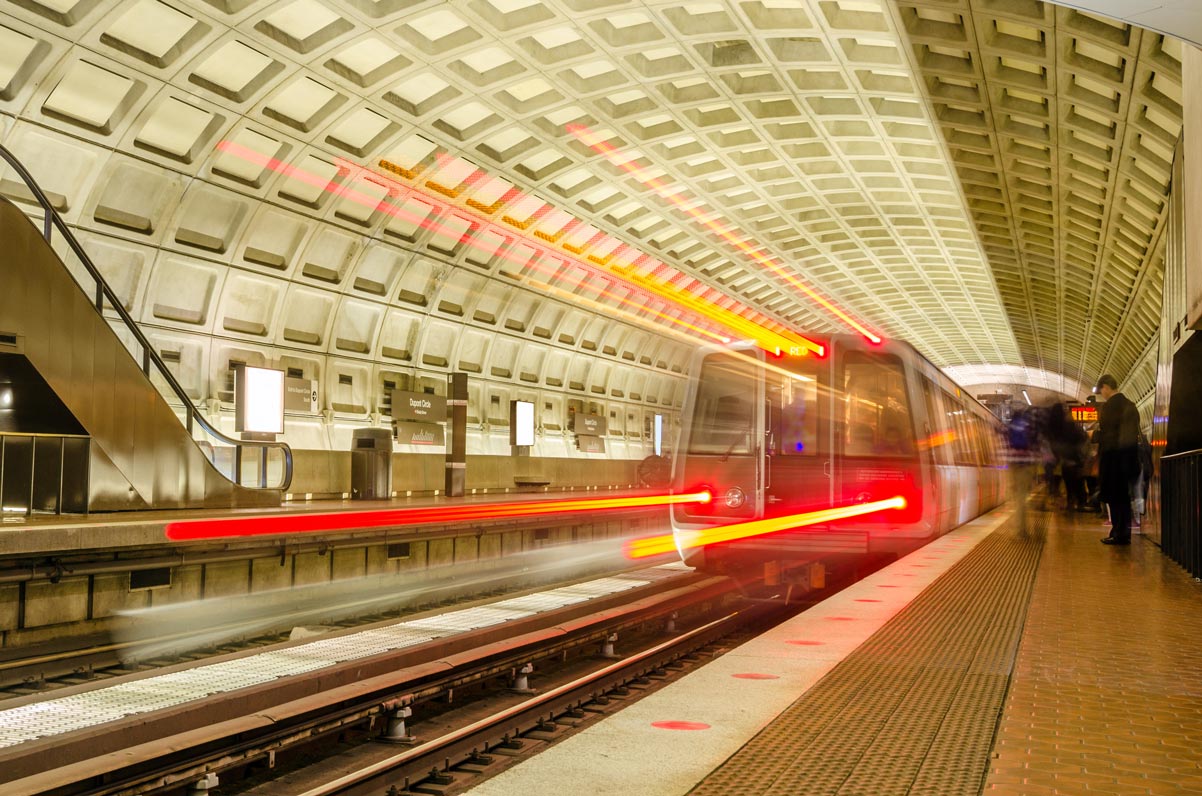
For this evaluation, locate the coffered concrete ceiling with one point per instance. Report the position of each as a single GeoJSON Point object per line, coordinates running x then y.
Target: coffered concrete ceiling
{"type": "Point", "coordinates": [984, 178]}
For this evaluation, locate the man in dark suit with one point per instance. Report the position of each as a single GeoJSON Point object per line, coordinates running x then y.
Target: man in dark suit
{"type": "Point", "coordinates": [1118, 457]}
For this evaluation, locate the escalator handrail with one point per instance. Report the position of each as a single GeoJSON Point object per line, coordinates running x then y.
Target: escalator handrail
{"type": "Point", "coordinates": [150, 355]}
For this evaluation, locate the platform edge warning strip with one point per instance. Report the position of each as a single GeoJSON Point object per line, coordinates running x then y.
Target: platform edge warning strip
{"type": "Point", "coordinates": [914, 710]}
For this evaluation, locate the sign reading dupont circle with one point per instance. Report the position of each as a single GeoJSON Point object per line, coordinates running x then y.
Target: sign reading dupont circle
{"type": "Point", "coordinates": [593, 425]}
{"type": "Point", "coordinates": [418, 406]}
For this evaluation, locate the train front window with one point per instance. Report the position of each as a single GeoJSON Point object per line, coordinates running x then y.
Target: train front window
{"type": "Point", "coordinates": [876, 412]}
{"type": "Point", "coordinates": [793, 408]}
{"type": "Point", "coordinates": [724, 415]}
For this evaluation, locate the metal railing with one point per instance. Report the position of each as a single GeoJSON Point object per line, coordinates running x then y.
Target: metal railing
{"type": "Point", "coordinates": [143, 352]}
{"type": "Point", "coordinates": [1181, 509]}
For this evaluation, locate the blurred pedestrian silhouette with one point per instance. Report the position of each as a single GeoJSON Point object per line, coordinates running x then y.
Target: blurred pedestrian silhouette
{"type": "Point", "coordinates": [1069, 445]}
{"type": "Point", "coordinates": [1023, 457]}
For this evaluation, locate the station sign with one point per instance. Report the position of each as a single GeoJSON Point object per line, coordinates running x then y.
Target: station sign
{"type": "Point", "coordinates": [419, 406]}
{"type": "Point", "coordinates": [1084, 413]}
{"type": "Point", "coordinates": [300, 395]}
{"type": "Point", "coordinates": [593, 425]}
{"type": "Point", "coordinates": [420, 434]}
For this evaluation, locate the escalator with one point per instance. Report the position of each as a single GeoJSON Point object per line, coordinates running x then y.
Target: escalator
{"type": "Point", "coordinates": [74, 374]}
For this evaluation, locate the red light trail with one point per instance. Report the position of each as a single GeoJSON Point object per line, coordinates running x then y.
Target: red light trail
{"type": "Point", "coordinates": [726, 233]}
{"type": "Point", "coordinates": [684, 540]}
{"type": "Point", "coordinates": [194, 530]}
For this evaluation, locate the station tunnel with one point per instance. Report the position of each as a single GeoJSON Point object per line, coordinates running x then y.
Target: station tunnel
{"type": "Point", "coordinates": [323, 312]}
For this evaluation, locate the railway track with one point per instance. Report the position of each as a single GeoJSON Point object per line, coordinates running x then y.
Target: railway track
{"type": "Point", "coordinates": [99, 656]}
{"type": "Point", "coordinates": [187, 744]}
{"type": "Point", "coordinates": [460, 757]}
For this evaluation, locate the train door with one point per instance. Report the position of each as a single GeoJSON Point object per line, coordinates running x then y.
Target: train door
{"type": "Point", "coordinates": [797, 462]}
{"type": "Point", "coordinates": [876, 450]}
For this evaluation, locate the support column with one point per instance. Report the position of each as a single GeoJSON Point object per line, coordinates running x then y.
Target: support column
{"type": "Point", "coordinates": [456, 467]}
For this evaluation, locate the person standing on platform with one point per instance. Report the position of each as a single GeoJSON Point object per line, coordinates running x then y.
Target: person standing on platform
{"type": "Point", "coordinates": [1118, 457]}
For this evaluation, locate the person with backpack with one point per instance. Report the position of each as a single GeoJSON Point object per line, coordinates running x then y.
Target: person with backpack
{"type": "Point", "coordinates": [1118, 457]}
{"type": "Point", "coordinates": [1023, 457]}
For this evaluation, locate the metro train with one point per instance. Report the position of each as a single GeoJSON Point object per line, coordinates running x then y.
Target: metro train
{"type": "Point", "coordinates": [776, 436]}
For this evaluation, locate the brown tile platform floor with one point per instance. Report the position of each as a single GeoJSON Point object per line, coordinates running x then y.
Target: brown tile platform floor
{"type": "Point", "coordinates": [1042, 663]}
{"type": "Point", "coordinates": [1106, 694]}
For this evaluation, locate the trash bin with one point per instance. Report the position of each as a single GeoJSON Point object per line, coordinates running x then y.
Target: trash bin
{"type": "Point", "coordinates": [371, 464]}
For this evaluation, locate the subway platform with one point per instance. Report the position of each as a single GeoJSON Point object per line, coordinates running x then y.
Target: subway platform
{"type": "Point", "coordinates": [990, 661]}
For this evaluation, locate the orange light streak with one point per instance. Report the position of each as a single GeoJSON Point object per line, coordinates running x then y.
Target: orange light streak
{"type": "Point", "coordinates": [765, 337]}
{"type": "Point", "coordinates": [936, 440]}
{"type": "Point", "coordinates": [726, 233]}
{"type": "Point", "coordinates": [685, 540]}
{"type": "Point", "coordinates": [599, 307]}
{"type": "Point", "coordinates": [674, 295]}
{"type": "Point", "coordinates": [191, 530]}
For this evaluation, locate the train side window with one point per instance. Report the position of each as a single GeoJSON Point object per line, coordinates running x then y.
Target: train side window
{"type": "Point", "coordinates": [724, 412]}
{"type": "Point", "coordinates": [956, 412]}
{"type": "Point", "coordinates": [939, 438]}
{"type": "Point", "coordinates": [876, 412]}
{"type": "Point", "coordinates": [978, 445]}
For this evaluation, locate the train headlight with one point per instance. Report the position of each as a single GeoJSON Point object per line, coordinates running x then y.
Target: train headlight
{"type": "Point", "coordinates": [734, 498]}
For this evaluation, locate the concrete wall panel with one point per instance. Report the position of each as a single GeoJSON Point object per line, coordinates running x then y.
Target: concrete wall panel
{"type": "Point", "coordinates": [349, 563]}
{"type": "Point", "coordinates": [310, 568]}
{"type": "Point", "coordinates": [226, 578]}
{"type": "Point", "coordinates": [440, 552]}
{"type": "Point", "coordinates": [378, 562]}
{"type": "Point", "coordinates": [55, 603]}
{"type": "Point", "coordinates": [267, 574]}
{"type": "Point", "coordinates": [466, 549]}
{"type": "Point", "coordinates": [490, 546]}
{"type": "Point", "coordinates": [185, 586]}
{"type": "Point", "coordinates": [9, 594]}
{"type": "Point", "coordinates": [110, 594]}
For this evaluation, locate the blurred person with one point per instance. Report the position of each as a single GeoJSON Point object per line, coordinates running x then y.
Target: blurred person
{"type": "Point", "coordinates": [1118, 457]}
{"type": "Point", "coordinates": [1023, 457]}
{"type": "Point", "coordinates": [1069, 444]}
{"type": "Point", "coordinates": [1051, 473]}
{"type": "Point", "coordinates": [1139, 495]}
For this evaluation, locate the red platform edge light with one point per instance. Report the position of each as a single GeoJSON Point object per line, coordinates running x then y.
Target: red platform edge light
{"type": "Point", "coordinates": [725, 232]}
{"type": "Point", "coordinates": [685, 540]}
{"type": "Point", "coordinates": [194, 530]}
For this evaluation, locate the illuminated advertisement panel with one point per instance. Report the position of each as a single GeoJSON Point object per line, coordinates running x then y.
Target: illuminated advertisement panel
{"type": "Point", "coordinates": [521, 423]}
{"type": "Point", "coordinates": [258, 400]}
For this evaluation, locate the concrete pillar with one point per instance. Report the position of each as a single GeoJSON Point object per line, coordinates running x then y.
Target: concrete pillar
{"type": "Point", "coordinates": [456, 465]}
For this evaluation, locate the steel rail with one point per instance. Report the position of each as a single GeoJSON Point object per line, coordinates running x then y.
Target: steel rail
{"type": "Point", "coordinates": [490, 731]}
{"type": "Point", "coordinates": [150, 356]}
